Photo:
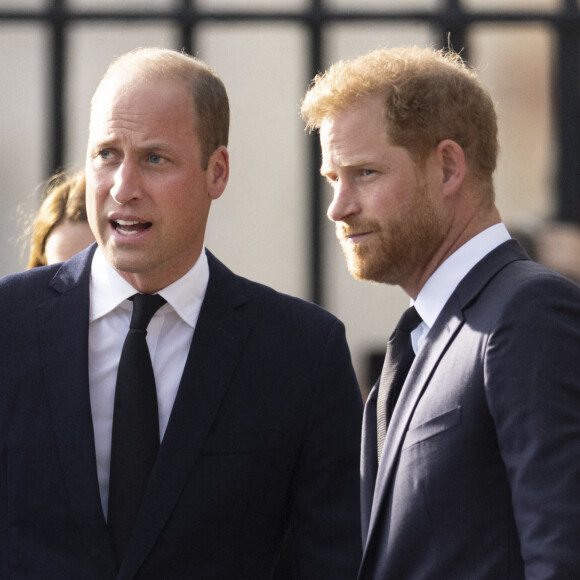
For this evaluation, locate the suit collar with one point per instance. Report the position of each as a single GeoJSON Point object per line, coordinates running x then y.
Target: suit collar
{"type": "Point", "coordinates": [443, 282]}
{"type": "Point", "coordinates": [476, 280]}
{"type": "Point", "coordinates": [436, 343]}
{"type": "Point", "coordinates": [74, 272]}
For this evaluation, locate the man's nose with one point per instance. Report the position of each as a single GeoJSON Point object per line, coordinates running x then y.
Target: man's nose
{"type": "Point", "coordinates": [344, 202]}
{"type": "Point", "coordinates": [127, 184]}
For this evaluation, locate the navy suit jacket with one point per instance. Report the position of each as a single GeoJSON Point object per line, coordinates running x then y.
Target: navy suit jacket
{"type": "Point", "coordinates": [480, 474]}
{"type": "Point", "coordinates": [264, 436]}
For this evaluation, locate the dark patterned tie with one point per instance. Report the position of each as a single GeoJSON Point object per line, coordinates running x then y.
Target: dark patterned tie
{"type": "Point", "coordinates": [398, 360]}
{"type": "Point", "coordinates": [135, 439]}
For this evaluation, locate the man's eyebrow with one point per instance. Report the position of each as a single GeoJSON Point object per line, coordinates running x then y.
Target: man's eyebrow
{"type": "Point", "coordinates": [103, 142]}
{"type": "Point", "coordinates": [111, 142]}
{"type": "Point", "coordinates": [354, 163]}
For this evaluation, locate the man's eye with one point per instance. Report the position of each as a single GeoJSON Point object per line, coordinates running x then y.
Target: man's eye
{"type": "Point", "coordinates": [155, 158]}
{"type": "Point", "coordinates": [105, 154]}
{"type": "Point", "coordinates": [367, 172]}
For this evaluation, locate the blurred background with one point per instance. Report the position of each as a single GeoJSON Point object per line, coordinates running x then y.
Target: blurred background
{"type": "Point", "coordinates": [270, 225]}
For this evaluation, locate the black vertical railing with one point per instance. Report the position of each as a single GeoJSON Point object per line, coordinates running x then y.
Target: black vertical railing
{"type": "Point", "coordinates": [567, 83]}
{"type": "Point", "coordinates": [316, 212]}
{"type": "Point", "coordinates": [57, 120]}
{"type": "Point", "coordinates": [186, 25]}
{"type": "Point", "coordinates": [453, 27]}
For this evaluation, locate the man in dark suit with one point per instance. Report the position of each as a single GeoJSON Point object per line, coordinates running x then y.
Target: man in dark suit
{"type": "Point", "coordinates": [257, 408]}
{"type": "Point", "coordinates": [471, 472]}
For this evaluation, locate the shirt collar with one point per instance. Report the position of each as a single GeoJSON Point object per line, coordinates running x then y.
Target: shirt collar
{"type": "Point", "coordinates": [443, 282]}
{"type": "Point", "coordinates": [108, 289]}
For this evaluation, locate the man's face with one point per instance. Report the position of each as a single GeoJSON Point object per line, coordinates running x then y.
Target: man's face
{"type": "Point", "coordinates": [388, 218]}
{"type": "Point", "coordinates": [147, 194]}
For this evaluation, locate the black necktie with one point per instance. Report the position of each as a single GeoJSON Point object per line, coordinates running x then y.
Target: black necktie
{"type": "Point", "coordinates": [398, 360]}
{"type": "Point", "coordinates": [135, 439]}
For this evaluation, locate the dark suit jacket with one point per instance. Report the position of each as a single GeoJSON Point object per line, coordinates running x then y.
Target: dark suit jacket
{"type": "Point", "coordinates": [264, 434]}
{"type": "Point", "coordinates": [480, 476]}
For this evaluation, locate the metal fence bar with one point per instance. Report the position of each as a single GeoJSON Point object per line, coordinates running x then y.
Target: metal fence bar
{"type": "Point", "coordinates": [445, 16]}
{"type": "Point", "coordinates": [453, 31]}
{"type": "Point", "coordinates": [567, 99]}
{"type": "Point", "coordinates": [316, 252]}
{"type": "Point", "coordinates": [57, 121]}
{"type": "Point", "coordinates": [186, 26]}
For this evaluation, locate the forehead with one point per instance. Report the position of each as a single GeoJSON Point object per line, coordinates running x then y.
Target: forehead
{"type": "Point", "coordinates": [355, 131]}
{"type": "Point", "coordinates": [125, 103]}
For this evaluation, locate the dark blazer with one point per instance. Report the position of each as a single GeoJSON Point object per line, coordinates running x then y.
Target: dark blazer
{"type": "Point", "coordinates": [480, 476]}
{"type": "Point", "coordinates": [264, 435]}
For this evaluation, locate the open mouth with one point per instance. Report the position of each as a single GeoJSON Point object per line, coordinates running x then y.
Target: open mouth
{"type": "Point", "coordinates": [130, 227]}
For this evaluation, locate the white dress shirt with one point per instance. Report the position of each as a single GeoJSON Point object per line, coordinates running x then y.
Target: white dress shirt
{"type": "Point", "coordinates": [442, 283]}
{"type": "Point", "coordinates": [169, 336]}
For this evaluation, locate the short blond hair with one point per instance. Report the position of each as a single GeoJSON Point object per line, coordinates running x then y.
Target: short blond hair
{"type": "Point", "coordinates": [210, 99]}
{"type": "Point", "coordinates": [429, 95]}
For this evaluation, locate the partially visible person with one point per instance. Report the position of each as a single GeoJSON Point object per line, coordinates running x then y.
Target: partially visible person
{"type": "Point", "coordinates": [470, 461]}
{"type": "Point", "coordinates": [553, 243]}
{"type": "Point", "coordinates": [190, 442]}
{"type": "Point", "coordinates": [60, 229]}
{"type": "Point", "coordinates": [558, 247]}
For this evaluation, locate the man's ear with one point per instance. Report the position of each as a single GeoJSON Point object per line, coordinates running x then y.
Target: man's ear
{"type": "Point", "coordinates": [452, 162]}
{"type": "Point", "coordinates": [218, 172]}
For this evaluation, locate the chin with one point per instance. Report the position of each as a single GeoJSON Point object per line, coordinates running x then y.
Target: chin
{"type": "Point", "coordinates": [370, 270]}
{"type": "Point", "coordinates": [360, 270]}
{"type": "Point", "coordinates": [366, 276]}
{"type": "Point", "coordinates": [124, 263]}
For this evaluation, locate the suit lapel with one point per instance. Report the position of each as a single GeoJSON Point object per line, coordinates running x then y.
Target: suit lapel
{"type": "Point", "coordinates": [63, 324]}
{"type": "Point", "coordinates": [436, 344]}
{"type": "Point", "coordinates": [219, 337]}
{"type": "Point", "coordinates": [369, 462]}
